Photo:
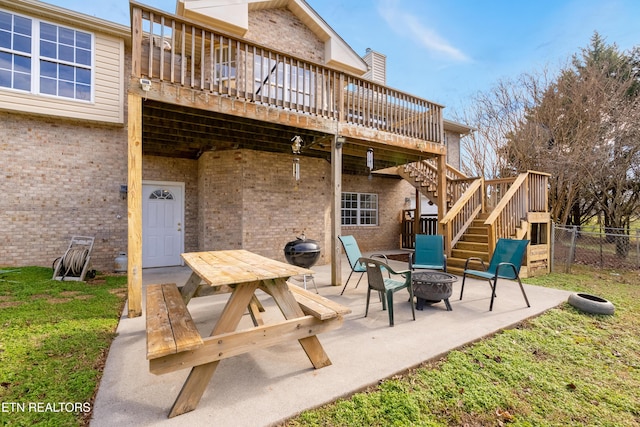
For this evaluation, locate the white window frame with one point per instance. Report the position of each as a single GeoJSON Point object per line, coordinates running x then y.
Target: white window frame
{"type": "Point", "coordinates": [36, 58]}
{"type": "Point", "coordinates": [362, 217]}
{"type": "Point", "coordinates": [284, 81]}
{"type": "Point", "coordinates": [225, 63]}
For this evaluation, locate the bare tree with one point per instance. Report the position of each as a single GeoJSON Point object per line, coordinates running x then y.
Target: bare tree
{"type": "Point", "coordinates": [581, 126]}
{"type": "Point", "coordinates": [496, 114]}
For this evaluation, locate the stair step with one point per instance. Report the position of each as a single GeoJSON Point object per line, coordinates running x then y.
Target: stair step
{"type": "Point", "coordinates": [464, 254]}
{"type": "Point", "coordinates": [477, 230]}
{"type": "Point", "coordinates": [456, 265]}
{"type": "Point", "coordinates": [483, 238]}
{"type": "Point", "coordinates": [473, 246]}
{"type": "Point", "coordinates": [455, 270]}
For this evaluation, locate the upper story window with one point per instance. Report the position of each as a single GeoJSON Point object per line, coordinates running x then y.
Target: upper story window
{"type": "Point", "coordinates": [44, 58]}
{"type": "Point", "coordinates": [283, 81]}
{"type": "Point", "coordinates": [225, 60]}
{"type": "Point", "coordinates": [359, 209]}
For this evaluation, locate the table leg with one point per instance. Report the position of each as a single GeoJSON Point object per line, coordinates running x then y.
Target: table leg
{"type": "Point", "coordinates": [291, 309]}
{"type": "Point", "coordinates": [190, 287]}
{"type": "Point", "coordinates": [255, 307]}
{"type": "Point", "coordinates": [200, 376]}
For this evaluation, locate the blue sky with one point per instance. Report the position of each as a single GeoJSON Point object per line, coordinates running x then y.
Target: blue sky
{"type": "Point", "coordinates": [448, 50]}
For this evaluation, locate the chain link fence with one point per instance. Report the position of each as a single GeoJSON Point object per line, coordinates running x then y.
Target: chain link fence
{"type": "Point", "coordinates": [610, 248]}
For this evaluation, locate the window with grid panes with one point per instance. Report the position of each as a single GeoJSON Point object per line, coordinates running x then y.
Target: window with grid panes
{"type": "Point", "coordinates": [44, 58]}
{"type": "Point", "coordinates": [359, 209]}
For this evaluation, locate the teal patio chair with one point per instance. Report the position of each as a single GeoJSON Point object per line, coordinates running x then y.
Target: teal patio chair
{"type": "Point", "coordinates": [505, 264]}
{"type": "Point", "coordinates": [386, 287]}
{"type": "Point", "coordinates": [429, 253]}
{"type": "Point", "coordinates": [353, 253]}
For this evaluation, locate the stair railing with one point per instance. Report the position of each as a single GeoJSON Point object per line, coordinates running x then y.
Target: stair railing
{"type": "Point", "coordinates": [462, 213]}
{"type": "Point", "coordinates": [426, 171]}
{"type": "Point", "coordinates": [527, 193]}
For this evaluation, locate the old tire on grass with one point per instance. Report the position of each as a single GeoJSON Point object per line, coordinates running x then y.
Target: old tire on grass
{"type": "Point", "coordinates": [591, 304]}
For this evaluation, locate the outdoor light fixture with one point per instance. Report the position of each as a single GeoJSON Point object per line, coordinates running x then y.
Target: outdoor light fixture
{"type": "Point", "coordinates": [123, 191]}
{"type": "Point", "coordinates": [146, 84]}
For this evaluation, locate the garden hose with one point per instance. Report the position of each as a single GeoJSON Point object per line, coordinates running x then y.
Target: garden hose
{"type": "Point", "coordinates": [73, 261]}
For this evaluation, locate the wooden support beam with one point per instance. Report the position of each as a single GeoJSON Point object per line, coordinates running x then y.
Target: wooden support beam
{"type": "Point", "coordinates": [134, 205]}
{"type": "Point", "coordinates": [336, 207]}
{"type": "Point", "coordinates": [442, 196]}
{"type": "Point", "coordinates": [416, 216]}
{"type": "Point", "coordinates": [336, 200]}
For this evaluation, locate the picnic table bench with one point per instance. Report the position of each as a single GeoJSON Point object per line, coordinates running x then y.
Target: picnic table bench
{"type": "Point", "coordinates": [174, 342]}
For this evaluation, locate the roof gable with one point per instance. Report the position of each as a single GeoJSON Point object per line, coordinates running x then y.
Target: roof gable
{"type": "Point", "coordinates": [233, 16]}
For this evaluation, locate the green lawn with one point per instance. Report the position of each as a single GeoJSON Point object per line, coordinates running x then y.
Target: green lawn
{"type": "Point", "coordinates": [54, 337]}
{"type": "Point", "coordinates": [562, 368]}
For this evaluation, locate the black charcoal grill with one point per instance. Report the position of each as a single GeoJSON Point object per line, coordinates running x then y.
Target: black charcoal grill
{"type": "Point", "coordinates": [304, 253]}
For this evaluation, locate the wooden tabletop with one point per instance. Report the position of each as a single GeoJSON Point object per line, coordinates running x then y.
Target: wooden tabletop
{"type": "Point", "coordinates": [238, 266]}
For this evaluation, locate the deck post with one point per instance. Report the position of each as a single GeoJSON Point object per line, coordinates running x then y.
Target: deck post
{"type": "Point", "coordinates": [336, 186]}
{"type": "Point", "coordinates": [442, 200]}
{"type": "Point", "coordinates": [134, 205]}
{"type": "Point", "coordinates": [336, 204]}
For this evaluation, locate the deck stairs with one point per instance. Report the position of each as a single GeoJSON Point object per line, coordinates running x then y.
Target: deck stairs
{"type": "Point", "coordinates": [423, 176]}
{"type": "Point", "coordinates": [473, 243]}
{"type": "Point", "coordinates": [487, 210]}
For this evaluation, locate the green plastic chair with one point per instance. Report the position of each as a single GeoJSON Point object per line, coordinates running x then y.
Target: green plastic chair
{"type": "Point", "coordinates": [429, 253]}
{"type": "Point", "coordinates": [505, 264]}
{"type": "Point", "coordinates": [353, 253]}
{"type": "Point", "coordinates": [386, 286]}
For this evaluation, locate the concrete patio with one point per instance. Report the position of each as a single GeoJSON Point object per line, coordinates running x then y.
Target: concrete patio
{"type": "Point", "coordinates": [265, 387]}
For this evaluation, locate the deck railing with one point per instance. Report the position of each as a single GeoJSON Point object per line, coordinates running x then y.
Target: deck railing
{"type": "Point", "coordinates": [508, 201]}
{"type": "Point", "coordinates": [527, 193]}
{"type": "Point", "coordinates": [427, 171]}
{"type": "Point", "coordinates": [428, 224]}
{"type": "Point", "coordinates": [462, 213]}
{"type": "Point", "coordinates": [177, 50]}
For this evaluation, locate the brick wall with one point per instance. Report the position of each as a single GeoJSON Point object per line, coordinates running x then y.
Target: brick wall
{"type": "Point", "coordinates": [391, 200]}
{"type": "Point", "coordinates": [282, 30]}
{"type": "Point", "coordinates": [220, 200]}
{"type": "Point", "coordinates": [60, 179]}
{"type": "Point", "coordinates": [277, 209]}
{"type": "Point", "coordinates": [249, 199]}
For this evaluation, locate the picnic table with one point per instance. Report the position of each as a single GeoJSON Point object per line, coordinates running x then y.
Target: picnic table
{"type": "Point", "coordinates": [173, 341]}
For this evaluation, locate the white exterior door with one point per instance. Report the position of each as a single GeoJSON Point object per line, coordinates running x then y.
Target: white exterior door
{"type": "Point", "coordinates": [162, 224]}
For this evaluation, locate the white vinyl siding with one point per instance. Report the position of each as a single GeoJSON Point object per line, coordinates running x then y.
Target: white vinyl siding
{"type": "Point", "coordinates": [107, 81]}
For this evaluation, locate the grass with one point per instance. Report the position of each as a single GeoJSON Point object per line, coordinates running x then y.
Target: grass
{"type": "Point", "coordinates": [563, 368]}
{"type": "Point", "coordinates": [54, 337]}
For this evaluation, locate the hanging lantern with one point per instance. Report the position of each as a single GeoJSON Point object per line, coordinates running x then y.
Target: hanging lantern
{"type": "Point", "coordinates": [296, 169]}
{"type": "Point", "coordinates": [370, 158]}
